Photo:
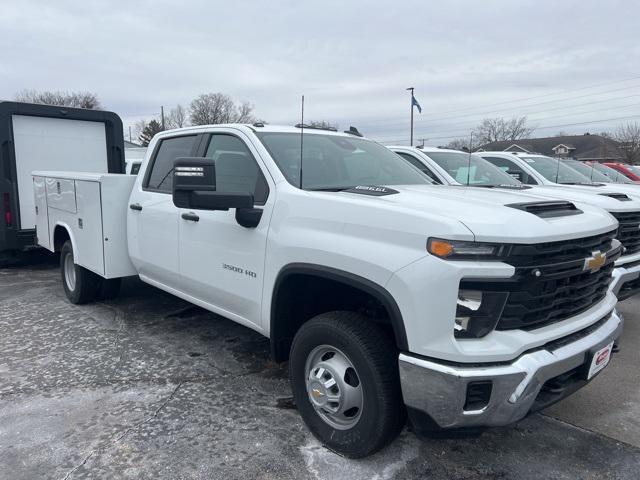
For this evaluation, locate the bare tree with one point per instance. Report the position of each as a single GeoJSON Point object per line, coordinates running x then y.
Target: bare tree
{"type": "Point", "coordinates": [212, 108]}
{"type": "Point", "coordinates": [86, 100]}
{"type": "Point", "coordinates": [629, 137]}
{"type": "Point", "coordinates": [499, 129]}
{"type": "Point", "coordinates": [464, 144]}
{"type": "Point", "coordinates": [177, 117]}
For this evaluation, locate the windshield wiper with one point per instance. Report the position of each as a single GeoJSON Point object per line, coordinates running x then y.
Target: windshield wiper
{"type": "Point", "coordinates": [591, 184]}
{"type": "Point", "coordinates": [515, 187]}
{"type": "Point", "coordinates": [498, 185]}
{"type": "Point", "coordinates": [330, 189]}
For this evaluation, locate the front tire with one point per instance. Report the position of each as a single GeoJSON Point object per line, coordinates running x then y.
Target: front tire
{"type": "Point", "coordinates": [344, 375]}
{"type": "Point", "coordinates": [80, 284]}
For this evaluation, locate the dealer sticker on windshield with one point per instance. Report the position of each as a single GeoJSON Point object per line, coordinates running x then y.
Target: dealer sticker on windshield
{"type": "Point", "coordinates": [600, 360]}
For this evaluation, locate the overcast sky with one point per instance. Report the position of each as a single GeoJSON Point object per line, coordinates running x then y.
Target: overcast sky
{"type": "Point", "coordinates": [351, 59]}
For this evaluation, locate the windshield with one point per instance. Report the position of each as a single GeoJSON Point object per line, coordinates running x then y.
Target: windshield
{"type": "Point", "coordinates": [332, 162]}
{"type": "Point", "coordinates": [555, 171]}
{"type": "Point", "coordinates": [587, 170]}
{"type": "Point", "coordinates": [635, 169]}
{"type": "Point", "coordinates": [613, 175]}
{"type": "Point", "coordinates": [472, 170]}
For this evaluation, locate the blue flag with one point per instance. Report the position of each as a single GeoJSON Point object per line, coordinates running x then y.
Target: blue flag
{"type": "Point", "coordinates": [414, 103]}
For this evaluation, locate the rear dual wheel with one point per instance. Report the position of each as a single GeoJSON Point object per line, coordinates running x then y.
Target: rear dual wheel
{"type": "Point", "coordinates": [82, 285]}
{"type": "Point", "coordinates": [344, 377]}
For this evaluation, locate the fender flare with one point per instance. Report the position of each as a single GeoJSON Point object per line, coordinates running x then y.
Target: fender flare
{"type": "Point", "coordinates": [374, 289]}
{"type": "Point", "coordinates": [69, 233]}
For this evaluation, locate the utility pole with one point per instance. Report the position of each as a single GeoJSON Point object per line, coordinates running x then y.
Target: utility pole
{"type": "Point", "coordinates": [411, 89]}
{"type": "Point", "coordinates": [129, 132]}
{"type": "Point", "coordinates": [162, 115]}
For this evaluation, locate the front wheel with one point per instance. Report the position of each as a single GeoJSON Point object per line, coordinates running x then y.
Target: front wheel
{"type": "Point", "coordinates": [344, 376]}
{"type": "Point", "coordinates": [80, 284]}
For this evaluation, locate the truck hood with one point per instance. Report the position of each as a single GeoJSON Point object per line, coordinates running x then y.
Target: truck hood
{"type": "Point", "coordinates": [489, 213]}
{"type": "Point", "coordinates": [593, 195]}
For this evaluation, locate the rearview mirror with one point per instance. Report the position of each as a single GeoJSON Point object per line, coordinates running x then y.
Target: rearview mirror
{"type": "Point", "coordinates": [194, 186]}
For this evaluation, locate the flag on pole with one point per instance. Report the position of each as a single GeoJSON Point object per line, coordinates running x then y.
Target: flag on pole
{"type": "Point", "coordinates": [414, 103]}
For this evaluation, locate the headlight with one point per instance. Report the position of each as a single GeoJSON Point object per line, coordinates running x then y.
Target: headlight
{"type": "Point", "coordinates": [463, 250]}
{"type": "Point", "coordinates": [478, 312]}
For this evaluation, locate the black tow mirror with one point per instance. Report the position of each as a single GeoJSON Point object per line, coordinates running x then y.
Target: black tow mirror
{"type": "Point", "coordinates": [515, 174]}
{"type": "Point", "coordinates": [192, 175]}
{"type": "Point", "coordinates": [194, 187]}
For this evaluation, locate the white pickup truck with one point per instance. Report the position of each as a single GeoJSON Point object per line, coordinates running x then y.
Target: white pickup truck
{"type": "Point", "coordinates": [495, 170]}
{"type": "Point", "coordinates": [465, 308]}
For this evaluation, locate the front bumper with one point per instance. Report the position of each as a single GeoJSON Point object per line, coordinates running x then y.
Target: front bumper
{"type": "Point", "coordinates": [626, 276]}
{"type": "Point", "coordinates": [439, 389]}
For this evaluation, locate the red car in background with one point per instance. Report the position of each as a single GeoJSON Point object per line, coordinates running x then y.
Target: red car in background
{"type": "Point", "coordinates": [630, 171]}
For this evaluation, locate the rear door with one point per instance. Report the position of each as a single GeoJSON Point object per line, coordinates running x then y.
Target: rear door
{"type": "Point", "coordinates": [221, 262]}
{"type": "Point", "coordinates": [43, 143]}
{"type": "Point", "coordinates": [153, 219]}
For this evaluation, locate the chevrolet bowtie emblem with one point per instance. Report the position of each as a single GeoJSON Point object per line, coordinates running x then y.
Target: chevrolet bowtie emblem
{"type": "Point", "coordinates": [595, 262]}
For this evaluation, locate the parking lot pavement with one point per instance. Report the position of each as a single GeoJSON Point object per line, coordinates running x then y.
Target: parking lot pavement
{"type": "Point", "coordinates": [147, 386]}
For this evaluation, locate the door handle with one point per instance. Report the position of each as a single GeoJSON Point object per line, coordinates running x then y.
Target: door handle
{"type": "Point", "coordinates": [191, 217]}
{"type": "Point", "coordinates": [135, 206]}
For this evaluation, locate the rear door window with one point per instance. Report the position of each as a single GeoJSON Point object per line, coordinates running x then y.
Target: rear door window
{"type": "Point", "coordinates": [160, 179]}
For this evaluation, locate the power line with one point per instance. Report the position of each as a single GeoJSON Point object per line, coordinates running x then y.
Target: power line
{"type": "Point", "coordinates": [479, 114]}
{"type": "Point", "coordinates": [463, 133]}
{"type": "Point", "coordinates": [559, 92]}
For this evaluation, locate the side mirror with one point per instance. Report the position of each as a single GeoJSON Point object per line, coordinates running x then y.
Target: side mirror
{"type": "Point", "coordinates": [515, 174]}
{"type": "Point", "coordinates": [194, 187]}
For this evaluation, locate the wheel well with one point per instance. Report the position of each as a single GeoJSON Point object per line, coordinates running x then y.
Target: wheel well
{"type": "Point", "coordinates": [60, 235]}
{"type": "Point", "coordinates": [301, 293]}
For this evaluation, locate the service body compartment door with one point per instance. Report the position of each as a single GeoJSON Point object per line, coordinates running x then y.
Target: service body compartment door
{"type": "Point", "coordinates": [88, 228]}
{"type": "Point", "coordinates": [42, 216]}
{"type": "Point", "coordinates": [61, 194]}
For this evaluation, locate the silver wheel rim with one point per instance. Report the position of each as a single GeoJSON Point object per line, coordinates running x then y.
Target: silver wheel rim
{"type": "Point", "coordinates": [69, 271]}
{"type": "Point", "coordinates": [334, 387]}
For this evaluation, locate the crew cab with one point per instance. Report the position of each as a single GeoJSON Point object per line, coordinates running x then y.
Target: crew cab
{"type": "Point", "coordinates": [464, 308]}
{"type": "Point", "coordinates": [498, 169]}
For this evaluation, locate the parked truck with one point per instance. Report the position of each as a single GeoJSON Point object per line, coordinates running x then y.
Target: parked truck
{"type": "Point", "coordinates": [496, 170]}
{"type": "Point", "coordinates": [37, 137]}
{"type": "Point", "coordinates": [388, 296]}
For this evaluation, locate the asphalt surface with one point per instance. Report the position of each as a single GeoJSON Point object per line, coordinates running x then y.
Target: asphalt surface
{"type": "Point", "coordinates": [147, 386]}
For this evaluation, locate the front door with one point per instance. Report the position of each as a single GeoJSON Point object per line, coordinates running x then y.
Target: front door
{"type": "Point", "coordinates": [221, 262]}
{"type": "Point", "coordinates": [152, 218]}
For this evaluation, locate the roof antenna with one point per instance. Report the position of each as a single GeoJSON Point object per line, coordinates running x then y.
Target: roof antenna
{"type": "Point", "coordinates": [301, 138]}
{"type": "Point", "coordinates": [469, 159]}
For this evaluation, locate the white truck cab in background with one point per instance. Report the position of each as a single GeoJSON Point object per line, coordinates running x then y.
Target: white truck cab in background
{"type": "Point", "coordinates": [463, 307]}
{"type": "Point", "coordinates": [503, 170]}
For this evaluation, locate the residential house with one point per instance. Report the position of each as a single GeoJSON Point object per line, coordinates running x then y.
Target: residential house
{"type": "Point", "coordinates": [585, 147]}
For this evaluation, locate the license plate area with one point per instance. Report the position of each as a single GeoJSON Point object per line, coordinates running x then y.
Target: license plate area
{"type": "Point", "coordinates": [598, 360]}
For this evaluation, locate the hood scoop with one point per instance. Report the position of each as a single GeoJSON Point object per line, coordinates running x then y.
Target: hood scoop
{"type": "Point", "coordinates": [549, 209]}
{"type": "Point", "coordinates": [372, 190]}
{"type": "Point", "coordinates": [618, 196]}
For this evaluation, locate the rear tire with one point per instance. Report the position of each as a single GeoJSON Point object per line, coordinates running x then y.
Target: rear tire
{"type": "Point", "coordinates": [80, 284]}
{"type": "Point", "coordinates": [344, 376]}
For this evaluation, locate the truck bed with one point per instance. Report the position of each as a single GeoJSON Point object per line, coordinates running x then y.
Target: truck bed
{"type": "Point", "coordinates": [92, 208]}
